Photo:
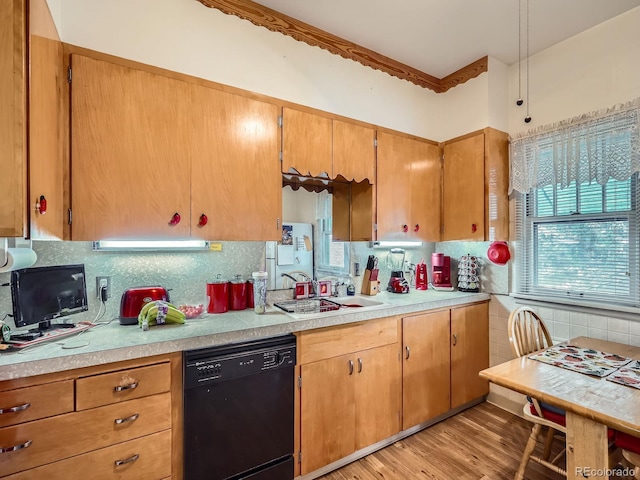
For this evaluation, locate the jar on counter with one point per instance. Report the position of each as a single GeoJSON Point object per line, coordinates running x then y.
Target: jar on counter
{"type": "Point", "coordinates": [218, 294]}
{"type": "Point", "coordinates": [238, 293]}
{"type": "Point", "coordinates": [259, 292]}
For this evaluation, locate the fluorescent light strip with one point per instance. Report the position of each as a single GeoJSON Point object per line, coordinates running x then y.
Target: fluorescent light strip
{"type": "Point", "coordinates": [148, 245]}
{"type": "Point", "coordinates": [391, 244]}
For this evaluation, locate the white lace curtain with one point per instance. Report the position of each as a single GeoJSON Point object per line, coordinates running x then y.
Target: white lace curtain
{"type": "Point", "coordinates": [591, 148]}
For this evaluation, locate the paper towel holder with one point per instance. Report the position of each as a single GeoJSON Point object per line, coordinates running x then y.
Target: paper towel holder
{"type": "Point", "coordinates": [12, 243]}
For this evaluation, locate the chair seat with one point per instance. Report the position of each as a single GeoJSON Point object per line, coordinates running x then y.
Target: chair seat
{"type": "Point", "coordinates": [554, 417]}
{"type": "Point", "coordinates": [628, 442]}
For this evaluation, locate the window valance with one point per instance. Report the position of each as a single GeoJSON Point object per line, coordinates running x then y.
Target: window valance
{"type": "Point", "coordinates": [590, 148]}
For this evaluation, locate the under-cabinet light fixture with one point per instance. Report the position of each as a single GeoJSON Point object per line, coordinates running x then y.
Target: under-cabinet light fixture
{"type": "Point", "coordinates": [392, 244]}
{"type": "Point", "coordinates": [150, 245]}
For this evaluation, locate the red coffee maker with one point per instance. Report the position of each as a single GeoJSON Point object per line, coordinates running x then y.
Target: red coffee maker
{"type": "Point", "coordinates": [440, 270]}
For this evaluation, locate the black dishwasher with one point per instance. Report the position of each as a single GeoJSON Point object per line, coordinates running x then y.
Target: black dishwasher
{"type": "Point", "coordinates": [238, 411]}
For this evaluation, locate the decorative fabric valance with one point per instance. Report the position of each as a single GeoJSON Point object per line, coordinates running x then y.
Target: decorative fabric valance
{"type": "Point", "coordinates": [590, 148]}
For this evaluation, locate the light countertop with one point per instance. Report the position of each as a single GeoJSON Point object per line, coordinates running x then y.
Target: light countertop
{"type": "Point", "coordinates": [114, 342]}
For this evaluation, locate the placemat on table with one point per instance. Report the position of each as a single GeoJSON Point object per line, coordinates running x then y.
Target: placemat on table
{"type": "Point", "coordinates": [584, 360]}
{"type": "Point", "coordinates": [628, 375]}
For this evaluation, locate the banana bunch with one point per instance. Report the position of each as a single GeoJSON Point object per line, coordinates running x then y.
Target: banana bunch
{"type": "Point", "coordinates": [159, 312]}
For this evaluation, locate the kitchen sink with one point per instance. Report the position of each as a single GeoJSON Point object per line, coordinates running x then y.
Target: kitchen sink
{"type": "Point", "coordinates": [356, 301]}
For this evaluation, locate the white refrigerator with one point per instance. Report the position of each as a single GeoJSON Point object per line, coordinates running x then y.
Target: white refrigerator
{"type": "Point", "coordinates": [293, 255]}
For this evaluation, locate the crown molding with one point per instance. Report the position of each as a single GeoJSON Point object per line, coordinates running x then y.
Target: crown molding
{"type": "Point", "coordinates": [303, 32]}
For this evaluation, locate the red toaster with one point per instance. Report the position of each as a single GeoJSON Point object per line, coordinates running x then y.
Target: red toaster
{"type": "Point", "coordinates": [133, 299]}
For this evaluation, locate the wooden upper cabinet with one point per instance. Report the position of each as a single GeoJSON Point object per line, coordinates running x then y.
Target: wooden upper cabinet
{"type": "Point", "coordinates": [408, 189]}
{"type": "Point", "coordinates": [469, 353]}
{"type": "Point", "coordinates": [463, 197]}
{"type": "Point", "coordinates": [235, 172]}
{"type": "Point", "coordinates": [13, 161]}
{"type": "Point", "coordinates": [48, 170]}
{"type": "Point", "coordinates": [306, 143]}
{"type": "Point", "coordinates": [353, 151]}
{"type": "Point", "coordinates": [130, 159]}
{"type": "Point", "coordinates": [476, 179]}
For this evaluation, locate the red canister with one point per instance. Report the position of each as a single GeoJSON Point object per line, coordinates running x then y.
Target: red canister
{"type": "Point", "coordinates": [238, 294]}
{"type": "Point", "coordinates": [218, 293]}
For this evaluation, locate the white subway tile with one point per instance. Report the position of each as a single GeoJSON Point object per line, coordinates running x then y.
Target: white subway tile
{"type": "Point", "coordinates": [634, 327]}
{"type": "Point", "coordinates": [618, 337]}
{"type": "Point", "coordinates": [503, 339]}
{"type": "Point", "coordinates": [493, 348]}
{"type": "Point", "coordinates": [579, 331]}
{"type": "Point", "coordinates": [561, 316]}
{"type": "Point", "coordinates": [634, 340]}
{"type": "Point", "coordinates": [578, 318]}
{"type": "Point", "coordinates": [550, 326]}
{"type": "Point", "coordinates": [546, 314]}
{"type": "Point", "coordinates": [618, 325]}
{"type": "Point", "coordinates": [562, 331]}
{"type": "Point", "coordinates": [597, 321]}
{"type": "Point", "coordinates": [504, 352]}
{"type": "Point", "coordinates": [493, 335]}
{"type": "Point", "coordinates": [598, 333]}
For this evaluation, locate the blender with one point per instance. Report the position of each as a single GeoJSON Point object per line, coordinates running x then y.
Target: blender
{"type": "Point", "coordinates": [395, 261]}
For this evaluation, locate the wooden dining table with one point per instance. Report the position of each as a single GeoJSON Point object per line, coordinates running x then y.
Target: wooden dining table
{"type": "Point", "coordinates": [592, 404]}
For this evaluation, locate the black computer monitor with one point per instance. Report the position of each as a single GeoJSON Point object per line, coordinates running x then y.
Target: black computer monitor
{"type": "Point", "coordinates": [43, 294]}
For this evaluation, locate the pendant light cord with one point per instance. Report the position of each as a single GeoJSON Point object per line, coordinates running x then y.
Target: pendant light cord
{"type": "Point", "coordinates": [519, 49]}
{"type": "Point", "coordinates": [528, 117]}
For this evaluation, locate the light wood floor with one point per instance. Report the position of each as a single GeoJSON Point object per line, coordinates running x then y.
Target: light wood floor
{"type": "Point", "coordinates": [482, 443]}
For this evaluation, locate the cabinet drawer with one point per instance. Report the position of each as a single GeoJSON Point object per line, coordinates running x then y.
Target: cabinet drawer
{"type": "Point", "coordinates": [153, 462]}
{"type": "Point", "coordinates": [32, 403]}
{"type": "Point", "coordinates": [123, 385]}
{"type": "Point", "coordinates": [80, 432]}
{"type": "Point", "coordinates": [331, 342]}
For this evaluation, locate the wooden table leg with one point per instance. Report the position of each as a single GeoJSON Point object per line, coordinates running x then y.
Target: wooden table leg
{"type": "Point", "coordinates": [587, 449]}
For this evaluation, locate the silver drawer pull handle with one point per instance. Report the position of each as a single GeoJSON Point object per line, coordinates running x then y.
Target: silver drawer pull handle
{"type": "Point", "coordinates": [350, 367]}
{"type": "Point", "coordinates": [127, 460]}
{"type": "Point", "coordinates": [132, 418]}
{"type": "Point", "coordinates": [455, 339]}
{"type": "Point", "coordinates": [408, 352]}
{"type": "Point", "coordinates": [17, 408]}
{"type": "Point", "coordinates": [122, 388]}
{"type": "Point", "coordinates": [16, 447]}
{"type": "Point", "coordinates": [359, 365]}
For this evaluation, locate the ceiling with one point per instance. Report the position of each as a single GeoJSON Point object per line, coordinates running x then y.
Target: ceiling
{"type": "Point", "coordinates": [440, 37]}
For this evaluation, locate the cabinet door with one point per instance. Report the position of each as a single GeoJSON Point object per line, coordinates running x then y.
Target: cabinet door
{"type": "Point", "coordinates": [393, 186]}
{"type": "Point", "coordinates": [425, 192]}
{"type": "Point", "coordinates": [463, 195]}
{"type": "Point", "coordinates": [426, 369]}
{"type": "Point", "coordinates": [327, 411]}
{"type": "Point", "coordinates": [469, 353]}
{"type": "Point", "coordinates": [378, 394]}
{"type": "Point", "coordinates": [130, 158]}
{"type": "Point", "coordinates": [306, 143]}
{"type": "Point", "coordinates": [235, 173]}
{"type": "Point", "coordinates": [47, 166]}
{"type": "Point", "coordinates": [353, 151]}
{"type": "Point", "coordinates": [12, 118]}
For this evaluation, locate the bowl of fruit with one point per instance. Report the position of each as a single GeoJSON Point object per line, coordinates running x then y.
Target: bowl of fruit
{"type": "Point", "coordinates": [192, 310]}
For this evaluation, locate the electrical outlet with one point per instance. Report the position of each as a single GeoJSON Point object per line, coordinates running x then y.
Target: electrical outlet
{"type": "Point", "coordinates": [103, 282]}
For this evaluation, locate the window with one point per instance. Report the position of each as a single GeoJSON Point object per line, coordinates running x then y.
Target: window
{"type": "Point", "coordinates": [578, 212]}
{"type": "Point", "coordinates": [581, 242]}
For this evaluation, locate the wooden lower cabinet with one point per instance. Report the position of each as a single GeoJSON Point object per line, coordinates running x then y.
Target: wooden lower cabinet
{"type": "Point", "coordinates": [137, 435]}
{"type": "Point", "coordinates": [469, 352]}
{"type": "Point", "coordinates": [349, 401]}
{"type": "Point", "coordinates": [426, 367]}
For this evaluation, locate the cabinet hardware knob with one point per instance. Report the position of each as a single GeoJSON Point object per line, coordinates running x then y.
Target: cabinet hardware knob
{"type": "Point", "coordinates": [17, 408]}
{"type": "Point", "coordinates": [416, 228]}
{"type": "Point", "coordinates": [405, 228]}
{"type": "Point", "coordinates": [16, 447]}
{"type": "Point", "coordinates": [408, 352]}
{"type": "Point", "coordinates": [474, 228]}
{"type": "Point", "coordinates": [131, 459]}
{"type": "Point", "coordinates": [455, 339]}
{"type": "Point", "coordinates": [350, 367]}
{"type": "Point", "coordinates": [203, 220]}
{"type": "Point", "coordinates": [132, 418]}
{"type": "Point", "coordinates": [122, 388]}
{"type": "Point", "coordinates": [41, 205]}
{"type": "Point", "coordinates": [175, 220]}
{"type": "Point", "coordinates": [359, 365]}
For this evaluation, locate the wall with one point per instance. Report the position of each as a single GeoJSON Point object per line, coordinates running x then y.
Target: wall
{"type": "Point", "coordinates": [185, 36]}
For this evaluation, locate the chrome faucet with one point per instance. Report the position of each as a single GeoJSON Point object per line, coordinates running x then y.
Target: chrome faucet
{"type": "Point", "coordinates": [289, 276]}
